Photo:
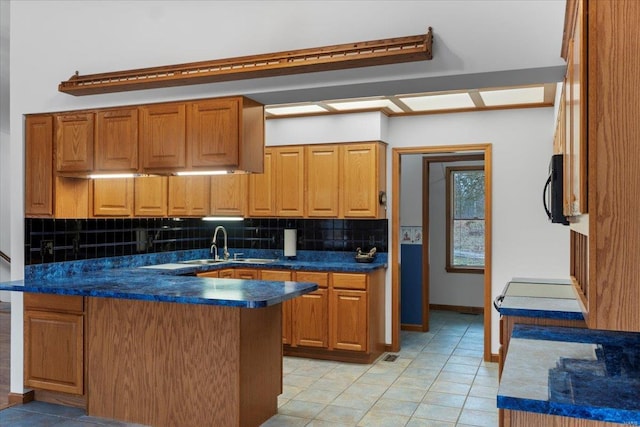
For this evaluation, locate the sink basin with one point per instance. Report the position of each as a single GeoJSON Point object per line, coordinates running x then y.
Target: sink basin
{"type": "Point", "coordinates": [255, 260]}
{"type": "Point", "coordinates": [204, 261]}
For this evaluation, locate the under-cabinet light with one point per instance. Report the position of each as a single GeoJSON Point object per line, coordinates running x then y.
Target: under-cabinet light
{"type": "Point", "coordinates": [222, 218]}
{"type": "Point", "coordinates": [196, 173]}
{"type": "Point", "coordinates": [114, 175]}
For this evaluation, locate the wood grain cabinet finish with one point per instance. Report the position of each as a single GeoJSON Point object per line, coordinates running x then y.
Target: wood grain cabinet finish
{"type": "Point", "coordinates": [363, 175]}
{"type": "Point", "coordinates": [349, 320]}
{"type": "Point", "coordinates": [322, 181]}
{"type": "Point", "coordinates": [280, 275]}
{"type": "Point", "coordinates": [116, 140]}
{"type": "Point", "coordinates": [162, 136]}
{"type": "Point", "coordinates": [54, 343]}
{"type": "Point", "coordinates": [151, 196]}
{"type": "Point", "coordinates": [38, 166]}
{"type": "Point", "coordinates": [246, 274]}
{"type": "Point", "coordinates": [189, 195]}
{"type": "Point", "coordinates": [74, 142]}
{"type": "Point", "coordinates": [262, 201]}
{"type": "Point", "coordinates": [113, 197]}
{"type": "Point", "coordinates": [229, 195]}
{"type": "Point", "coordinates": [289, 181]}
{"type": "Point", "coordinates": [213, 133]}
{"type": "Point", "coordinates": [310, 312]}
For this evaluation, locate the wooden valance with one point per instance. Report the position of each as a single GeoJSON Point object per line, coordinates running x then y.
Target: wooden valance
{"type": "Point", "coordinates": [337, 57]}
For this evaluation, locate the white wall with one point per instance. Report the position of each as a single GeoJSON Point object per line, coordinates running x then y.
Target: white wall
{"type": "Point", "coordinates": [5, 271]}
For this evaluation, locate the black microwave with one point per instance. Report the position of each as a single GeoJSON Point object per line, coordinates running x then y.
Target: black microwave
{"type": "Point", "coordinates": [553, 191]}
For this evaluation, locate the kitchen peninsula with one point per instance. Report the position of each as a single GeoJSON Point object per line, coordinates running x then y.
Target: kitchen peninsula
{"type": "Point", "coordinates": [162, 348]}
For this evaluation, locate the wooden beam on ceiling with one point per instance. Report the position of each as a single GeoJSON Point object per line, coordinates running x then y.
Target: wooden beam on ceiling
{"type": "Point", "coordinates": [336, 57]}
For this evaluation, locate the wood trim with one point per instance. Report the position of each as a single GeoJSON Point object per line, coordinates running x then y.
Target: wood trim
{"type": "Point", "coordinates": [495, 358]}
{"type": "Point", "coordinates": [20, 399]}
{"type": "Point", "coordinates": [334, 355]}
{"type": "Point", "coordinates": [426, 284]}
{"type": "Point", "coordinates": [335, 57]}
{"type": "Point", "coordinates": [58, 398]}
{"type": "Point", "coordinates": [569, 22]}
{"type": "Point", "coordinates": [396, 154]}
{"type": "Point", "coordinates": [412, 327]}
{"type": "Point", "coordinates": [459, 308]}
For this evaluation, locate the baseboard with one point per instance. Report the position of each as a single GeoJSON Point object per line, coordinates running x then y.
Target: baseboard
{"type": "Point", "coordinates": [457, 308]}
{"type": "Point", "coordinates": [58, 398]}
{"type": "Point", "coordinates": [411, 327]}
{"type": "Point", "coordinates": [335, 355]}
{"type": "Point", "coordinates": [19, 399]}
{"type": "Point", "coordinates": [495, 358]}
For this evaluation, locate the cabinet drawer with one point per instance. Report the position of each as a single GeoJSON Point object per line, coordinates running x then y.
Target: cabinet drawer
{"type": "Point", "coordinates": [350, 281]}
{"type": "Point", "coordinates": [65, 303]}
{"type": "Point", "coordinates": [322, 279]}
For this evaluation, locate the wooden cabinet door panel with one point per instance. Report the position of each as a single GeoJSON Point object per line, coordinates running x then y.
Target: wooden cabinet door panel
{"type": "Point", "coordinates": [189, 195]}
{"type": "Point", "coordinates": [74, 142]}
{"type": "Point", "coordinates": [322, 180]}
{"type": "Point", "coordinates": [282, 276]}
{"type": "Point", "coordinates": [113, 197]}
{"type": "Point", "coordinates": [359, 181]}
{"type": "Point", "coordinates": [213, 273]}
{"type": "Point", "coordinates": [213, 133]}
{"type": "Point", "coordinates": [357, 281]}
{"type": "Point", "coordinates": [311, 319]}
{"type": "Point", "coordinates": [246, 274]}
{"type": "Point", "coordinates": [151, 194]}
{"type": "Point", "coordinates": [289, 183]}
{"type": "Point", "coordinates": [229, 194]}
{"type": "Point", "coordinates": [116, 140]}
{"type": "Point", "coordinates": [261, 196]}
{"type": "Point", "coordinates": [227, 273]}
{"type": "Point", "coordinates": [163, 136]}
{"type": "Point", "coordinates": [54, 351]}
{"type": "Point", "coordinates": [38, 166]}
{"type": "Point", "coordinates": [349, 320]}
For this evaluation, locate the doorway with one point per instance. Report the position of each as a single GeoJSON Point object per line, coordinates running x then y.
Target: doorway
{"type": "Point", "coordinates": [443, 152]}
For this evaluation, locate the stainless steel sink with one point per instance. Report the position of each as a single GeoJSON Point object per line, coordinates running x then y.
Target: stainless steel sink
{"type": "Point", "coordinates": [254, 260]}
{"type": "Point", "coordinates": [204, 261]}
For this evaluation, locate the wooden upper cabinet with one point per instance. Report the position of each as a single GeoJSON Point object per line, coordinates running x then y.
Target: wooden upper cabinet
{"type": "Point", "coordinates": [289, 181]}
{"type": "Point", "coordinates": [38, 166]}
{"type": "Point", "coordinates": [213, 133]}
{"type": "Point", "coordinates": [322, 180]}
{"type": "Point", "coordinates": [262, 200]}
{"type": "Point", "coordinates": [163, 136]}
{"type": "Point", "coordinates": [229, 194]}
{"type": "Point", "coordinates": [113, 197]}
{"type": "Point", "coordinates": [116, 140]}
{"type": "Point", "coordinates": [189, 195]}
{"type": "Point", "coordinates": [74, 142]}
{"type": "Point", "coordinates": [363, 173]}
{"type": "Point", "coordinates": [151, 196]}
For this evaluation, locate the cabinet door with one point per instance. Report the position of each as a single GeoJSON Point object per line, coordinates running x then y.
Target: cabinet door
{"type": "Point", "coordinates": [322, 180]}
{"type": "Point", "coordinates": [310, 315]}
{"type": "Point", "coordinates": [289, 181]}
{"type": "Point", "coordinates": [38, 166]}
{"type": "Point", "coordinates": [116, 140]}
{"type": "Point", "coordinates": [163, 136]}
{"type": "Point", "coordinates": [261, 186]}
{"type": "Point", "coordinates": [189, 195]}
{"type": "Point", "coordinates": [53, 351]}
{"type": "Point", "coordinates": [361, 180]}
{"type": "Point", "coordinates": [113, 197]}
{"type": "Point", "coordinates": [74, 142]}
{"type": "Point", "coordinates": [151, 196]}
{"type": "Point", "coordinates": [246, 274]}
{"type": "Point", "coordinates": [213, 133]}
{"type": "Point", "coordinates": [229, 194]}
{"type": "Point", "coordinates": [282, 276]}
{"type": "Point", "coordinates": [71, 197]}
{"type": "Point", "coordinates": [349, 320]}
{"type": "Point", "coordinates": [214, 273]}
{"type": "Point", "coordinates": [227, 273]}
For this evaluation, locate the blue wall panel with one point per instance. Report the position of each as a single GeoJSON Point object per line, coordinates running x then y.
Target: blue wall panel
{"type": "Point", "coordinates": [411, 284]}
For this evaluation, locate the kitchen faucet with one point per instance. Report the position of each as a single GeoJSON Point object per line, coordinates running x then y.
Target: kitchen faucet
{"type": "Point", "coordinates": [214, 248]}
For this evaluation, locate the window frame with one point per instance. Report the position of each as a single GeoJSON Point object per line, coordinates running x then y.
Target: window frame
{"type": "Point", "coordinates": [449, 220]}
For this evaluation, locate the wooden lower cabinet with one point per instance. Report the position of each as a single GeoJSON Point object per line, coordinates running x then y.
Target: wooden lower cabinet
{"type": "Point", "coordinates": [528, 419]}
{"type": "Point", "coordinates": [310, 312]}
{"type": "Point", "coordinates": [349, 320]}
{"type": "Point", "coordinates": [246, 274]}
{"type": "Point", "coordinates": [54, 343]}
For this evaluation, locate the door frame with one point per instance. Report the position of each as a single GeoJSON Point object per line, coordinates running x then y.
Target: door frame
{"type": "Point", "coordinates": [396, 166]}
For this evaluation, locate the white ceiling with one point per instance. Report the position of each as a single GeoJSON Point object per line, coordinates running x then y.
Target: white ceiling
{"type": "Point", "coordinates": [477, 43]}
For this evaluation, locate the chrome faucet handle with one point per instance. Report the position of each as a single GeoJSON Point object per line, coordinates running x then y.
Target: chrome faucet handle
{"type": "Point", "coordinates": [238, 255]}
{"type": "Point", "coordinates": [214, 251]}
{"type": "Point", "coordinates": [225, 254]}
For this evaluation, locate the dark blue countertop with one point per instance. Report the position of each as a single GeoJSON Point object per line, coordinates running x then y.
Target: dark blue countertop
{"type": "Point", "coordinates": [573, 372]}
{"type": "Point", "coordinates": [540, 298]}
{"type": "Point", "coordinates": [160, 277]}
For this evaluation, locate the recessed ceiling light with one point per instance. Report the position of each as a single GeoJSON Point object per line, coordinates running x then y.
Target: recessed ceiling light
{"type": "Point", "coordinates": [529, 95]}
{"type": "Point", "coordinates": [295, 109]}
{"type": "Point", "coordinates": [439, 102]}
{"type": "Point", "coordinates": [365, 104]}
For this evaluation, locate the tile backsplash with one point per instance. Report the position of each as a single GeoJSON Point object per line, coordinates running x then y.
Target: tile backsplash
{"type": "Point", "coordinates": [57, 240]}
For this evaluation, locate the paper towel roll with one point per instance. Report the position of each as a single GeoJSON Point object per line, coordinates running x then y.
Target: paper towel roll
{"type": "Point", "coordinates": [290, 242]}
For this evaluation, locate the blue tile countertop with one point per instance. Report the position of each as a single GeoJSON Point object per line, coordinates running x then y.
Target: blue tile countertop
{"type": "Point", "coordinates": [541, 298]}
{"type": "Point", "coordinates": [161, 277]}
{"type": "Point", "coordinates": [573, 372]}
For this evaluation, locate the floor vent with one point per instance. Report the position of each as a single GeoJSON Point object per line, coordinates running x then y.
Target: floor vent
{"type": "Point", "coordinates": [390, 358]}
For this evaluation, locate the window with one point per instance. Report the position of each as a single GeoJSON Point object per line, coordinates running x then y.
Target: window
{"type": "Point", "coordinates": [465, 219]}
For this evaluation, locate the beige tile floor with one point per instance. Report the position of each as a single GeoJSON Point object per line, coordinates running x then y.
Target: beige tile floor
{"type": "Point", "coordinates": [439, 379]}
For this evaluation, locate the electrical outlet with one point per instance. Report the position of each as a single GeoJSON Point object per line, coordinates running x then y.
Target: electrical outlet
{"type": "Point", "coordinates": [46, 247]}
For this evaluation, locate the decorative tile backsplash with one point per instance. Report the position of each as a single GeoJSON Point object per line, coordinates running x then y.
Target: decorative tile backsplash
{"type": "Point", "coordinates": [57, 240]}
